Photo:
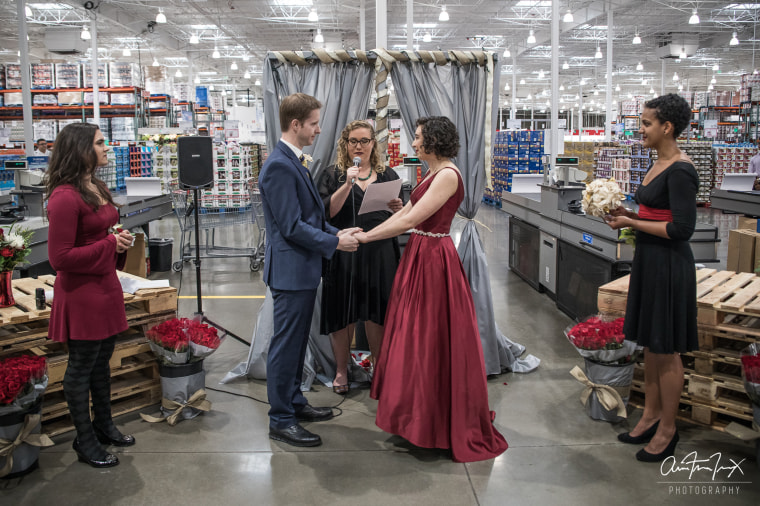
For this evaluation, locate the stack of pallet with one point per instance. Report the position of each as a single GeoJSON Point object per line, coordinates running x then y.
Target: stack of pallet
{"type": "Point", "coordinates": [728, 306]}
{"type": "Point", "coordinates": [135, 382]}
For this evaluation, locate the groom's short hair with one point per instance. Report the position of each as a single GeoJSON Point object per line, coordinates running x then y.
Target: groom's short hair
{"type": "Point", "coordinates": [297, 106]}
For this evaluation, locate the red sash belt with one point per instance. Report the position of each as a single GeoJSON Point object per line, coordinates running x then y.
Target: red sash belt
{"type": "Point", "coordinates": [650, 213]}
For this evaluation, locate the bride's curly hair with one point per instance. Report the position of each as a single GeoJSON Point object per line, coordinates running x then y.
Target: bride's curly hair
{"type": "Point", "coordinates": [343, 161]}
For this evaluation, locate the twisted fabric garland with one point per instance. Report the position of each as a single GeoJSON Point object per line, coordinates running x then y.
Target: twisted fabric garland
{"type": "Point", "coordinates": [24, 436]}
{"type": "Point", "coordinates": [196, 401]}
{"type": "Point", "coordinates": [609, 397]}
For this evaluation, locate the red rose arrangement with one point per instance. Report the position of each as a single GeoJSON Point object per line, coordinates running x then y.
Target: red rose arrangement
{"type": "Point", "coordinates": [601, 339]}
{"type": "Point", "coordinates": [14, 247]}
{"type": "Point", "coordinates": [750, 357]}
{"type": "Point", "coordinates": [18, 375]}
{"type": "Point", "coordinates": [183, 340]}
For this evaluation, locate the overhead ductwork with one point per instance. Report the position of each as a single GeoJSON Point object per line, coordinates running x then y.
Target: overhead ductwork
{"type": "Point", "coordinates": [675, 44]}
{"type": "Point", "coordinates": [64, 40]}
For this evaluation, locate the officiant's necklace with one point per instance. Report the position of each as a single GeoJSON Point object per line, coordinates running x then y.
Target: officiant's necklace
{"type": "Point", "coordinates": [368, 175]}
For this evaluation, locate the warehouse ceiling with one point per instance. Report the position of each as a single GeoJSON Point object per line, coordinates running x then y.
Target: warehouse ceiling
{"type": "Point", "coordinates": [244, 30]}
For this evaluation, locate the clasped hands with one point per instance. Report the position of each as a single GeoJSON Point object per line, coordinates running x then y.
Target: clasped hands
{"type": "Point", "coordinates": [124, 241]}
{"type": "Point", "coordinates": [619, 218]}
{"type": "Point", "coordinates": [346, 239]}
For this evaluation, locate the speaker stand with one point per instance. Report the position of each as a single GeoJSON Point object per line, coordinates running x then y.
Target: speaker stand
{"type": "Point", "coordinates": [197, 260]}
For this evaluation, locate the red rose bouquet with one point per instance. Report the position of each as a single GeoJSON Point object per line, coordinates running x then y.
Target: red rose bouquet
{"type": "Point", "coordinates": [22, 380]}
{"type": "Point", "coordinates": [183, 340]}
{"type": "Point", "coordinates": [601, 339]}
{"type": "Point", "coordinates": [14, 247]}
{"type": "Point", "coordinates": [750, 357]}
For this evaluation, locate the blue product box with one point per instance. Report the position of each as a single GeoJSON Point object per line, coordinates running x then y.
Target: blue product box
{"type": "Point", "coordinates": [537, 136]}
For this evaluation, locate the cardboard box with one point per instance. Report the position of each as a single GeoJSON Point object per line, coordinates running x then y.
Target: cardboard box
{"type": "Point", "coordinates": [747, 223]}
{"type": "Point", "coordinates": [743, 248]}
{"type": "Point", "coordinates": [136, 262]}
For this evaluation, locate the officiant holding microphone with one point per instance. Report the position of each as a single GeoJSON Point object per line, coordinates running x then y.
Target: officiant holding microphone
{"type": "Point", "coordinates": [356, 286]}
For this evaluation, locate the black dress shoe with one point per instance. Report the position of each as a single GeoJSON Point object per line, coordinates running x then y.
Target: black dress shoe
{"type": "Point", "coordinates": [645, 456]}
{"type": "Point", "coordinates": [109, 460]}
{"type": "Point", "coordinates": [311, 414]}
{"type": "Point", "coordinates": [644, 437]}
{"type": "Point", "coordinates": [119, 439]}
{"type": "Point", "coordinates": [295, 435]}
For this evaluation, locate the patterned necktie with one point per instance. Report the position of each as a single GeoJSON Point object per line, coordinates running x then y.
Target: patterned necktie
{"type": "Point", "coordinates": [303, 161]}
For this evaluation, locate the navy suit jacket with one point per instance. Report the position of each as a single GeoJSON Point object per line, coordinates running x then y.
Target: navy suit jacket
{"type": "Point", "coordinates": [298, 236]}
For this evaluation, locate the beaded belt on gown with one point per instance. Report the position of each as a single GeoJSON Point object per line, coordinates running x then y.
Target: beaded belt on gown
{"type": "Point", "coordinates": [428, 234]}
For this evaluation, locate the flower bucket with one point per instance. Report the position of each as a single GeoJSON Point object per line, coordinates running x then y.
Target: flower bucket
{"type": "Point", "coordinates": [20, 441]}
{"type": "Point", "coordinates": [183, 393]}
{"type": "Point", "coordinates": [750, 358]}
{"type": "Point", "coordinates": [6, 289]}
{"type": "Point", "coordinates": [618, 378]}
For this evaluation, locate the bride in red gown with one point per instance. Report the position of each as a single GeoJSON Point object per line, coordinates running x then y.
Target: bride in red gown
{"type": "Point", "coordinates": [430, 379]}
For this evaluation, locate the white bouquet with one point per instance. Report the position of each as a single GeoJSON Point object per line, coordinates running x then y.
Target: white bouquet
{"type": "Point", "coordinates": [601, 196]}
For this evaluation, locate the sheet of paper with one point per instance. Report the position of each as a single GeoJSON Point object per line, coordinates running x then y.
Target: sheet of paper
{"type": "Point", "coordinates": [378, 195]}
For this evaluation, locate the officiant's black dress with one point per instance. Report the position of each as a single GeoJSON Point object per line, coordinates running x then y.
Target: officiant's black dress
{"type": "Point", "coordinates": [373, 265]}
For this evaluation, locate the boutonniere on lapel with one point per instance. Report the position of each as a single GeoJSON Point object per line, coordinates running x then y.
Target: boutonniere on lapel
{"type": "Point", "coordinates": [306, 160]}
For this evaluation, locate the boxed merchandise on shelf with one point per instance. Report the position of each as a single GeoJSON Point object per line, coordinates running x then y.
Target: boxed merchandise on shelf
{"type": "Point", "coordinates": [183, 92]}
{"type": "Point", "coordinates": [43, 76]}
{"type": "Point", "coordinates": [701, 155]}
{"type": "Point", "coordinates": [68, 75]}
{"type": "Point", "coordinates": [731, 159]}
{"type": "Point", "coordinates": [122, 99]}
{"type": "Point", "coordinates": [2, 76]}
{"type": "Point", "coordinates": [102, 75]}
{"type": "Point", "coordinates": [102, 96]}
{"type": "Point", "coordinates": [70, 98]}
{"type": "Point", "coordinates": [122, 74]}
{"type": "Point", "coordinates": [12, 76]}
{"type": "Point", "coordinates": [45, 99]}
{"type": "Point", "coordinates": [123, 129]}
{"type": "Point", "coordinates": [45, 129]}
{"type": "Point", "coordinates": [15, 99]}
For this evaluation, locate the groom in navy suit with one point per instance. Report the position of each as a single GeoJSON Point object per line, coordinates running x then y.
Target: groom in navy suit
{"type": "Point", "coordinates": [298, 237]}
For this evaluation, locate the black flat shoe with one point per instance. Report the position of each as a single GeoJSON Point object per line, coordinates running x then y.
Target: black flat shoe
{"type": "Point", "coordinates": [645, 436]}
{"type": "Point", "coordinates": [295, 435]}
{"type": "Point", "coordinates": [109, 460]}
{"type": "Point", "coordinates": [645, 456]}
{"type": "Point", "coordinates": [121, 440]}
{"type": "Point", "coordinates": [311, 414]}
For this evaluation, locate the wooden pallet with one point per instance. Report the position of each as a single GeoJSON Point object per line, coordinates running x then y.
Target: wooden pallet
{"type": "Point", "coordinates": [146, 301]}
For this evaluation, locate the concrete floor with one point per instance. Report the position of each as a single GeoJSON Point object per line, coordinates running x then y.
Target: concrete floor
{"type": "Point", "coordinates": [557, 454]}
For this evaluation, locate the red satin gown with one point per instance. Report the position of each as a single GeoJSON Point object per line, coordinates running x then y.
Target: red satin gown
{"type": "Point", "coordinates": [430, 378]}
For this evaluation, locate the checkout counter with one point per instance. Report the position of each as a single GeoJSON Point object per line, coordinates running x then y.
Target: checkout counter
{"type": "Point", "coordinates": [736, 201]}
{"type": "Point", "coordinates": [559, 250]}
{"type": "Point", "coordinates": [28, 212]}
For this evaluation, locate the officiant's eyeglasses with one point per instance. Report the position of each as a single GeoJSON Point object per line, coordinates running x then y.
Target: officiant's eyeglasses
{"type": "Point", "coordinates": [363, 142]}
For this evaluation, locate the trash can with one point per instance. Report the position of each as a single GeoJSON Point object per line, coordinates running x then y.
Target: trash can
{"type": "Point", "coordinates": [160, 254]}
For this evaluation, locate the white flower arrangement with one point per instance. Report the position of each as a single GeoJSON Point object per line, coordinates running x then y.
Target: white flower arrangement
{"type": "Point", "coordinates": [601, 196]}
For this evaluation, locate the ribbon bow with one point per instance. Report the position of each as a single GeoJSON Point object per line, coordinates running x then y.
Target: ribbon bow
{"type": "Point", "coordinates": [196, 401]}
{"type": "Point", "coordinates": [7, 447]}
{"type": "Point", "coordinates": [608, 396]}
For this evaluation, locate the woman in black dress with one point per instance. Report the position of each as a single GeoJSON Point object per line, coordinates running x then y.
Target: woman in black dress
{"type": "Point", "coordinates": [661, 313]}
{"type": "Point", "coordinates": [356, 286]}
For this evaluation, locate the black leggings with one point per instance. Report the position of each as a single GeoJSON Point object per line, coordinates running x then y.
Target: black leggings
{"type": "Point", "coordinates": [88, 371]}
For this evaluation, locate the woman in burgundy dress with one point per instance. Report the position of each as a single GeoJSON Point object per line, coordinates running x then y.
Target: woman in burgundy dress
{"type": "Point", "coordinates": [88, 302]}
{"type": "Point", "coordinates": [430, 378]}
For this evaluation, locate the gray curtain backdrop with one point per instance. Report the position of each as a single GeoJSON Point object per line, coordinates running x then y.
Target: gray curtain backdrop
{"type": "Point", "coordinates": [343, 88]}
{"type": "Point", "coordinates": [458, 91]}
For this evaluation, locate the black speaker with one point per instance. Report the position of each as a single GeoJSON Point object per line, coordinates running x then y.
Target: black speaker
{"type": "Point", "coordinates": [196, 162]}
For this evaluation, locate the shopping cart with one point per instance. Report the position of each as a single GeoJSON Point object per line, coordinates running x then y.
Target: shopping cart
{"type": "Point", "coordinates": [209, 220]}
{"type": "Point", "coordinates": [257, 208]}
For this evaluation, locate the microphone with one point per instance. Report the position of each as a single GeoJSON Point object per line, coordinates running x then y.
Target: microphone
{"type": "Point", "coordinates": [357, 162]}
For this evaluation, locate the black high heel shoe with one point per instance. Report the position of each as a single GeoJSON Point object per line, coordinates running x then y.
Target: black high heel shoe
{"type": "Point", "coordinates": [109, 460]}
{"type": "Point", "coordinates": [121, 440]}
{"type": "Point", "coordinates": [645, 456]}
{"type": "Point", "coordinates": [644, 437]}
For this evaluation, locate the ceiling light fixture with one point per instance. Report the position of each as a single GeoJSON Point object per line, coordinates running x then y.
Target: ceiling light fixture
{"type": "Point", "coordinates": [85, 35]}
{"type": "Point", "coordinates": [568, 18]}
{"type": "Point", "coordinates": [694, 19]}
{"type": "Point", "coordinates": [596, 93]}
{"type": "Point", "coordinates": [680, 87]}
{"type": "Point", "coordinates": [155, 62]}
{"type": "Point", "coordinates": [651, 89]}
{"type": "Point", "coordinates": [639, 66]}
{"type": "Point", "coordinates": [28, 11]}
{"type": "Point", "coordinates": [211, 87]}
{"type": "Point", "coordinates": [541, 74]}
{"type": "Point", "coordinates": [194, 39]}
{"type": "Point", "coordinates": [443, 16]}
{"type": "Point", "coordinates": [224, 93]}
{"type": "Point", "coordinates": [247, 75]}
{"type": "Point", "coordinates": [565, 66]}
{"type": "Point", "coordinates": [197, 80]}
{"type": "Point", "coordinates": [427, 37]}
{"type": "Point", "coordinates": [675, 76]}
{"type": "Point", "coordinates": [126, 52]}
{"type": "Point", "coordinates": [160, 17]}
{"type": "Point", "coordinates": [522, 81]}
{"type": "Point", "coordinates": [234, 66]}
{"type": "Point", "coordinates": [319, 38]}
{"type": "Point", "coordinates": [710, 88]}
{"type": "Point", "coordinates": [529, 97]}
{"type": "Point", "coordinates": [636, 39]}
{"type": "Point", "coordinates": [716, 67]}
{"type": "Point", "coordinates": [257, 83]}
{"type": "Point", "coordinates": [215, 55]}
{"type": "Point", "coordinates": [583, 81]}
{"type": "Point", "coordinates": [713, 80]}
{"type": "Point", "coordinates": [644, 82]}
{"type": "Point", "coordinates": [531, 38]}
{"type": "Point", "coordinates": [683, 54]}
{"type": "Point", "coordinates": [598, 53]}
{"type": "Point", "coordinates": [734, 40]}
{"type": "Point", "coordinates": [506, 87]}
{"type": "Point", "coordinates": [561, 87]}
{"type": "Point", "coordinates": [178, 73]}
{"type": "Point", "coordinates": [506, 53]}
{"type": "Point", "coordinates": [313, 16]}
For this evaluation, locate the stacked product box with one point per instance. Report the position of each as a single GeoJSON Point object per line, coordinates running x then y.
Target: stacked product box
{"type": "Point", "coordinates": [43, 76]}
{"type": "Point", "coordinates": [516, 152]}
{"type": "Point", "coordinates": [605, 156]}
{"type": "Point", "coordinates": [102, 75]}
{"type": "Point", "coordinates": [45, 129]}
{"type": "Point", "coordinates": [731, 159]}
{"type": "Point", "coordinates": [45, 99]}
{"type": "Point", "coordinates": [12, 77]}
{"type": "Point", "coordinates": [2, 76]}
{"type": "Point", "coordinates": [584, 152]}
{"type": "Point", "coordinates": [140, 161]}
{"type": "Point", "coordinates": [122, 99]}
{"type": "Point", "coordinates": [640, 160]}
{"type": "Point", "coordinates": [165, 165]}
{"type": "Point", "coordinates": [394, 148]}
{"type": "Point", "coordinates": [183, 92]}
{"type": "Point", "coordinates": [68, 75]}
{"type": "Point", "coordinates": [700, 153]}
{"type": "Point", "coordinates": [499, 164]}
{"type": "Point", "coordinates": [621, 172]}
{"type": "Point", "coordinates": [749, 88]}
{"type": "Point", "coordinates": [122, 168]}
{"type": "Point", "coordinates": [108, 173]}
{"type": "Point", "coordinates": [70, 98]}
{"type": "Point", "coordinates": [7, 176]}
{"type": "Point", "coordinates": [123, 129]}
{"type": "Point", "coordinates": [102, 95]}
{"type": "Point", "coordinates": [122, 75]}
